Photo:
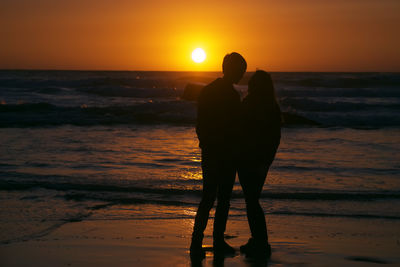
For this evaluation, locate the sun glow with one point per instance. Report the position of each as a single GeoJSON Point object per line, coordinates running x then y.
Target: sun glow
{"type": "Point", "coordinates": [198, 55]}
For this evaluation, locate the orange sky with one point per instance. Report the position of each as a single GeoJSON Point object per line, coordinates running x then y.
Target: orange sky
{"type": "Point", "coordinates": [284, 35]}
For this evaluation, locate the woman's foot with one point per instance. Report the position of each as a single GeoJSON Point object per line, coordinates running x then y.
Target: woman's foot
{"type": "Point", "coordinates": [256, 249]}
{"type": "Point", "coordinates": [248, 246]}
{"type": "Point", "coordinates": [221, 247]}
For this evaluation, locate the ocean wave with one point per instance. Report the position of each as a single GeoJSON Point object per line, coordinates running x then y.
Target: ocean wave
{"type": "Point", "coordinates": [177, 112]}
{"type": "Point", "coordinates": [85, 98]}
{"type": "Point", "coordinates": [322, 214]}
{"type": "Point", "coordinates": [105, 192]}
{"type": "Point", "coordinates": [86, 80]}
{"type": "Point", "coordinates": [153, 92]}
{"type": "Point", "coordinates": [126, 83]}
{"type": "Point", "coordinates": [338, 80]}
{"type": "Point", "coordinates": [173, 112]}
{"type": "Point", "coordinates": [283, 91]}
{"type": "Point", "coordinates": [45, 114]}
{"type": "Point", "coordinates": [312, 168]}
{"type": "Point", "coordinates": [305, 104]}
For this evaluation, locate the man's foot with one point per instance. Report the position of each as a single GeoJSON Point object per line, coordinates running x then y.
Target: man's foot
{"type": "Point", "coordinates": [196, 248]}
{"type": "Point", "coordinates": [197, 251]}
{"type": "Point", "coordinates": [221, 247]}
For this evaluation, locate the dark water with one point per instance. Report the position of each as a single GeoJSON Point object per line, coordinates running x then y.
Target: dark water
{"type": "Point", "coordinates": [121, 145]}
{"type": "Point", "coordinates": [49, 98]}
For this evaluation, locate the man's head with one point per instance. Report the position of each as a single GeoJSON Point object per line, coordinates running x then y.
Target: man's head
{"type": "Point", "coordinates": [233, 67]}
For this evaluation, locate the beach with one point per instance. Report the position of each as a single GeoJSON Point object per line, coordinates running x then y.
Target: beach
{"type": "Point", "coordinates": [103, 168]}
{"type": "Point", "coordinates": [303, 241]}
{"type": "Point", "coordinates": [123, 122]}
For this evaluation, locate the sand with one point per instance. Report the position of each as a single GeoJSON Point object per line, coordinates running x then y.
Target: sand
{"type": "Point", "coordinates": [296, 241]}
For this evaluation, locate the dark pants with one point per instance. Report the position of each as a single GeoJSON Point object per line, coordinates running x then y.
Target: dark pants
{"type": "Point", "coordinates": [252, 178]}
{"type": "Point", "coordinates": [219, 172]}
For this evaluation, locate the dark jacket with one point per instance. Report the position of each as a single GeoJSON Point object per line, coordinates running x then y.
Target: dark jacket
{"type": "Point", "coordinates": [260, 130]}
{"type": "Point", "coordinates": [218, 112]}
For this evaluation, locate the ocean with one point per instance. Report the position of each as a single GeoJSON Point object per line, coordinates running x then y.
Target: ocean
{"type": "Point", "coordinates": [107, 145]}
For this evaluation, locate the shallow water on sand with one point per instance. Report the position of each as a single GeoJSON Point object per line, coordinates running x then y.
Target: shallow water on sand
{"type": "Point", "coordinates": [50, 176]}
{"type": "Point", "coordinates": [122, 145]}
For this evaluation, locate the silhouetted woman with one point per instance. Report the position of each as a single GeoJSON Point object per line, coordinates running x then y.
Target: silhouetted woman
{"type": "Point", "coordinates": [261, 133]}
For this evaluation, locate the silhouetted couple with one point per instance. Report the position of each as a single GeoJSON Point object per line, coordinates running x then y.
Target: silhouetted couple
{"type": "Point", "coordinates": [235, 137]}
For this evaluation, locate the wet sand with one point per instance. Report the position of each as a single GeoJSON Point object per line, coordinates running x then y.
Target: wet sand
{"type": "Point", "coordinates": [296, 241]}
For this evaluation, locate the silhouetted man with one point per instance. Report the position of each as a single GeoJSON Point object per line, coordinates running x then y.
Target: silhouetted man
{"type": "Point", "coordinates": [218, 130]}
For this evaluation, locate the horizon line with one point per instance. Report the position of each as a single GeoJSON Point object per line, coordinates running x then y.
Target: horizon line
{"type": "Point", "coordinates": [122, 70]}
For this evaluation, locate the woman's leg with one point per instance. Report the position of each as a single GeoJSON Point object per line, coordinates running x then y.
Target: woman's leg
{"type": "Point", "coordinates": [252, 179]}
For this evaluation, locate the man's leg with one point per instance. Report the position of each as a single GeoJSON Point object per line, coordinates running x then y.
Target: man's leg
{"type": "Point", "coordinates": [203, 212]}
{"type": "Point", "coordinates": [207, 201]}
{"type": "Point", "coordinates": [226, 180]}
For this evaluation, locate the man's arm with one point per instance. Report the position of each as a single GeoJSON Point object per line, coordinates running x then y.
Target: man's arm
{"type": "Point", "coordinates": [205, 117]}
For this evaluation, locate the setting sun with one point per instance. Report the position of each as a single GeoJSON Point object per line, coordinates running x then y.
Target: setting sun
{"type": "Point", "coordinates": [198, 55]}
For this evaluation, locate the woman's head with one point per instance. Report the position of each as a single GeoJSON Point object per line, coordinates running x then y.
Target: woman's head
{"type": "Point", "coordinates": [260, 85]}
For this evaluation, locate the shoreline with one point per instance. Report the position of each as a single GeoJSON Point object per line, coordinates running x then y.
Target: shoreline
{"type": "Point", "coordinates": [295, 241]}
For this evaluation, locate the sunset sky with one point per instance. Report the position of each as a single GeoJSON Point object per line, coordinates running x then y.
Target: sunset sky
{"type": "Point", "coordinates": [284, 35]}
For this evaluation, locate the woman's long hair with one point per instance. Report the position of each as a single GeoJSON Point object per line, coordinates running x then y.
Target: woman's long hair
{"type": "Point", "coordinates": [262, 87]}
